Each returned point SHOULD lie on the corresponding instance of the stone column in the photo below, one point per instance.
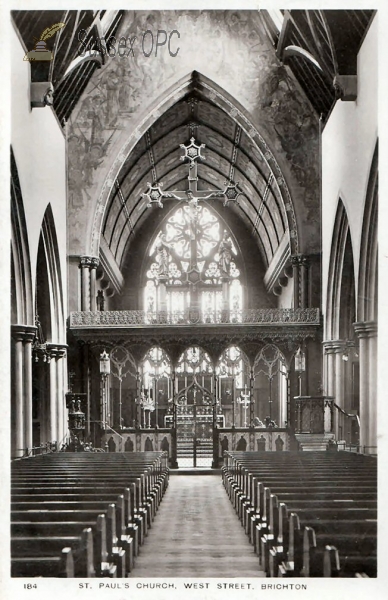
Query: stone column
(295, 262)
(339, 391)
(53, 399)
(60, 399)
(304, 282)
(18, 399)
(65, 390)
(27, 388)
(373, 392)
(333, 384)
(94, 262)
(367, 334)
(60, 353)
(300, 270)
(23, 336)
(88, 266)
(84, 266)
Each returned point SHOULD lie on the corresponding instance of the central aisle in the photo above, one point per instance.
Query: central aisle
(196, 533)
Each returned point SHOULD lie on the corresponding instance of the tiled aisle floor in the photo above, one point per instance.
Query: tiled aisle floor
(196, 533)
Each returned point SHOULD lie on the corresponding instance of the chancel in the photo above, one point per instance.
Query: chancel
(194, 293)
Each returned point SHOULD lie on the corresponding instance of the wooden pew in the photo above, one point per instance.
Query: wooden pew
(52, 566)
(45, 546)
(32, 486)
(357, 549)
(261, 512)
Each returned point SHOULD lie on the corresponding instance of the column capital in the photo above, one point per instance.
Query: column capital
(334, 346)
(90, 262)
(23, 333)
(57, 350)
(366, 329)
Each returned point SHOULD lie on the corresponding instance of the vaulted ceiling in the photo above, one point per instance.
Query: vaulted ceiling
(229, 155)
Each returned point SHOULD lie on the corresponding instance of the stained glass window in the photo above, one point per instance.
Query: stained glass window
(156, 366)
(196, 361)
(185, 252)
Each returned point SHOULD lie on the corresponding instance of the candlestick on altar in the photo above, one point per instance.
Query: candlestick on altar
(244, 400)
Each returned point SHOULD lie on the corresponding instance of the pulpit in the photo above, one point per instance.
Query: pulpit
(312, 414)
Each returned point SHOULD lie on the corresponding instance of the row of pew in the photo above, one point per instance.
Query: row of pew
(307, 514)
(83, 514)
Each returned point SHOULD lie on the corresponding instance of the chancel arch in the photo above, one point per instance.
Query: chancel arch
(225, 125)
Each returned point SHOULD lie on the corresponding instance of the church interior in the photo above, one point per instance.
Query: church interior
(194, 286)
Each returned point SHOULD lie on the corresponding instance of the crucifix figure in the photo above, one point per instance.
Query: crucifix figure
(192, 196)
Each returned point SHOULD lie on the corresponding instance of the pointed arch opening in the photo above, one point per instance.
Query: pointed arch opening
(189, 257)
(22, 311)
(341, 282)
(225, 125)
(343, 369)
(270, 390)
(49, 419)
(368, 267)
(233, 386)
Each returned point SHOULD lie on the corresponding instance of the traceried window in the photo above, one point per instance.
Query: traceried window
(193, 257)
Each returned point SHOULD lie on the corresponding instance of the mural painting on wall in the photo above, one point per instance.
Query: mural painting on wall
(230, 48)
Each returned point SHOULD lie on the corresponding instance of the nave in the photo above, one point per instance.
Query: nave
(303, 514)
(194, 283)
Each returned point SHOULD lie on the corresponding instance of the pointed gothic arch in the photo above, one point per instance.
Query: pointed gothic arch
(49, 271)
(368, 264)
(22, 311)
(341, 302)
(229, 105)
(49, 369)
(269, 373)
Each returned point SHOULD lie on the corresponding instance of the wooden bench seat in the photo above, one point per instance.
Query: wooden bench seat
(276, 498)
(51, 566)
(47, 546)
(353, 545)
(54, 498)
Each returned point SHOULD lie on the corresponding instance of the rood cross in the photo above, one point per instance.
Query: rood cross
(192, 195)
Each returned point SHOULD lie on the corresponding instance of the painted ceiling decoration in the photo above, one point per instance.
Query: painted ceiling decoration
(242, 83)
